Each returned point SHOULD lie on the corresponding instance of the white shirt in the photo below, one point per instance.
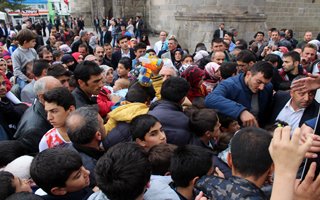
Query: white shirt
(287, 114)
(158, 46)
(123, 54)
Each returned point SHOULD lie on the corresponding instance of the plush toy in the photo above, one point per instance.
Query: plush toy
(148, 65)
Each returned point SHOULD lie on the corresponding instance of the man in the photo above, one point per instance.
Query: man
(245, 60)
(283, 42)
(228, 36)
(96, 23)
(306, 38)
(99, 54)
(162, 44)
(83, 50)
(168, 110)
(218, 57)
(246, 96)
(259, 39)
(51, 44)
(105, 36)
(290, 38)
(291, 68)
(172, 46)
(85, 130)
(108, 53)
(125, 51)
(59, 72)
(139, 26)
(220, 32)
(89, 82)
(39, 70)
(217, 44)
(46, 55)
(167, 72)
(34, 124)
(274, 41)
(84, 39)
(249, 170)
(294, 107)
(309, 55)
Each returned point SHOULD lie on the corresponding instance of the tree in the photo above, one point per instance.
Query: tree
(12, 5)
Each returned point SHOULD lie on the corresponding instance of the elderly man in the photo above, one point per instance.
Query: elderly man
(34, 124)
(84, 39)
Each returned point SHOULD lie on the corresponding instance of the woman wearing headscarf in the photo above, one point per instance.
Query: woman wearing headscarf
(212, 75)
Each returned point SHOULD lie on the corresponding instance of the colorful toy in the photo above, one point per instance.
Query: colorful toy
(148, 65)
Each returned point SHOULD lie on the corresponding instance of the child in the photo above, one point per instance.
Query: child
(160, 159)
(228, 124)
(123, 172)
(24, 54)
(147, 131)
(58, 103)
(120, 87)
(60, 173)
(205, 125)
(13, 45)
(11, 184)
(124, 67)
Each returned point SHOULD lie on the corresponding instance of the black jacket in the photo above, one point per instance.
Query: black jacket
(116, 56)
(82, 98)
(279, 101)
(105, 38)
(32, 126)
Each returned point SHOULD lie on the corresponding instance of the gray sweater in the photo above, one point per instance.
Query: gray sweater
(20, 58)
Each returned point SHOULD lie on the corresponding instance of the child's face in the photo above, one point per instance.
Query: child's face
(78, 180)
(21, 185)
(3, 66)
(29, 44)
(56, 115)
(155, 136)
(117, 86)
(9, 62)
(233, 127)
(122, 71)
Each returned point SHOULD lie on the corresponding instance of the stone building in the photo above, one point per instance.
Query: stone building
(194, 21)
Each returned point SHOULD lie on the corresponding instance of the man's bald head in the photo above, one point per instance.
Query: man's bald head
(45, 84)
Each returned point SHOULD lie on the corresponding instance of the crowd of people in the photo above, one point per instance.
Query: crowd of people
(108, 115)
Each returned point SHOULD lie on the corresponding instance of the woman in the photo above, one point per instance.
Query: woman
(194, 75)
(4, 68)
(212, 75)
(178, 53)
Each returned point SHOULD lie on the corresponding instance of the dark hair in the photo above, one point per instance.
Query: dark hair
(188, 162)
(10, 150)
(290, 31)
(203, 120)
(186, 56)
(126, 62)
(121, 38)
(216, 40)
(160, 158)
(7, 187)
(25, 35)
(310, 45)
(227, 69)
(295, 56)
(82, 125)
(271, 58)
(140, 45)
(263, 67)
(86, 69)
(139, 93)
(141, 124)
(83, 46)
(246, 56)
(43, 51)
(249, 151)
(39, 66)
(223, 141)
(229, 34)
(123, 172)
(243, 44)
(225, 120)
(52, 167)
(174, 89)
(259, 32)
(24, 196)
(56, 54)
(175, 40)
(151, 50)
(272, 29)
(61, 96)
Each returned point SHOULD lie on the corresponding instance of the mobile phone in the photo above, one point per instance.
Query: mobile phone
(308, 161)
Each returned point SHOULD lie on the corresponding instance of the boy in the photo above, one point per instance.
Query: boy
(160, 158)
(228, 124)
(24, 54)
(147, 131)
(60, 173)
(11, 184)
(59, 102)
(124, 67)
(188, 164)
(123, 172)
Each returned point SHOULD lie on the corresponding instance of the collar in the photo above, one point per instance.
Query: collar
(246, 185)
(92, 152)
(288, 105)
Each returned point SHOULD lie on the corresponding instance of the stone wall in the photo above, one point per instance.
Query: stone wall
(82, 8)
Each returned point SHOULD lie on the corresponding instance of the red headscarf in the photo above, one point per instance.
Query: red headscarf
(8, 84)
(194, 75)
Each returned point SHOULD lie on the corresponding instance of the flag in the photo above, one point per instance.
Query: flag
(66, 1)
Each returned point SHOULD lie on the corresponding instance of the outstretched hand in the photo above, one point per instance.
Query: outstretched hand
(312, 82)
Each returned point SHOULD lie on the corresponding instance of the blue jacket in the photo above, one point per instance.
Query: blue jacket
(175, 123)
(232, 96)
